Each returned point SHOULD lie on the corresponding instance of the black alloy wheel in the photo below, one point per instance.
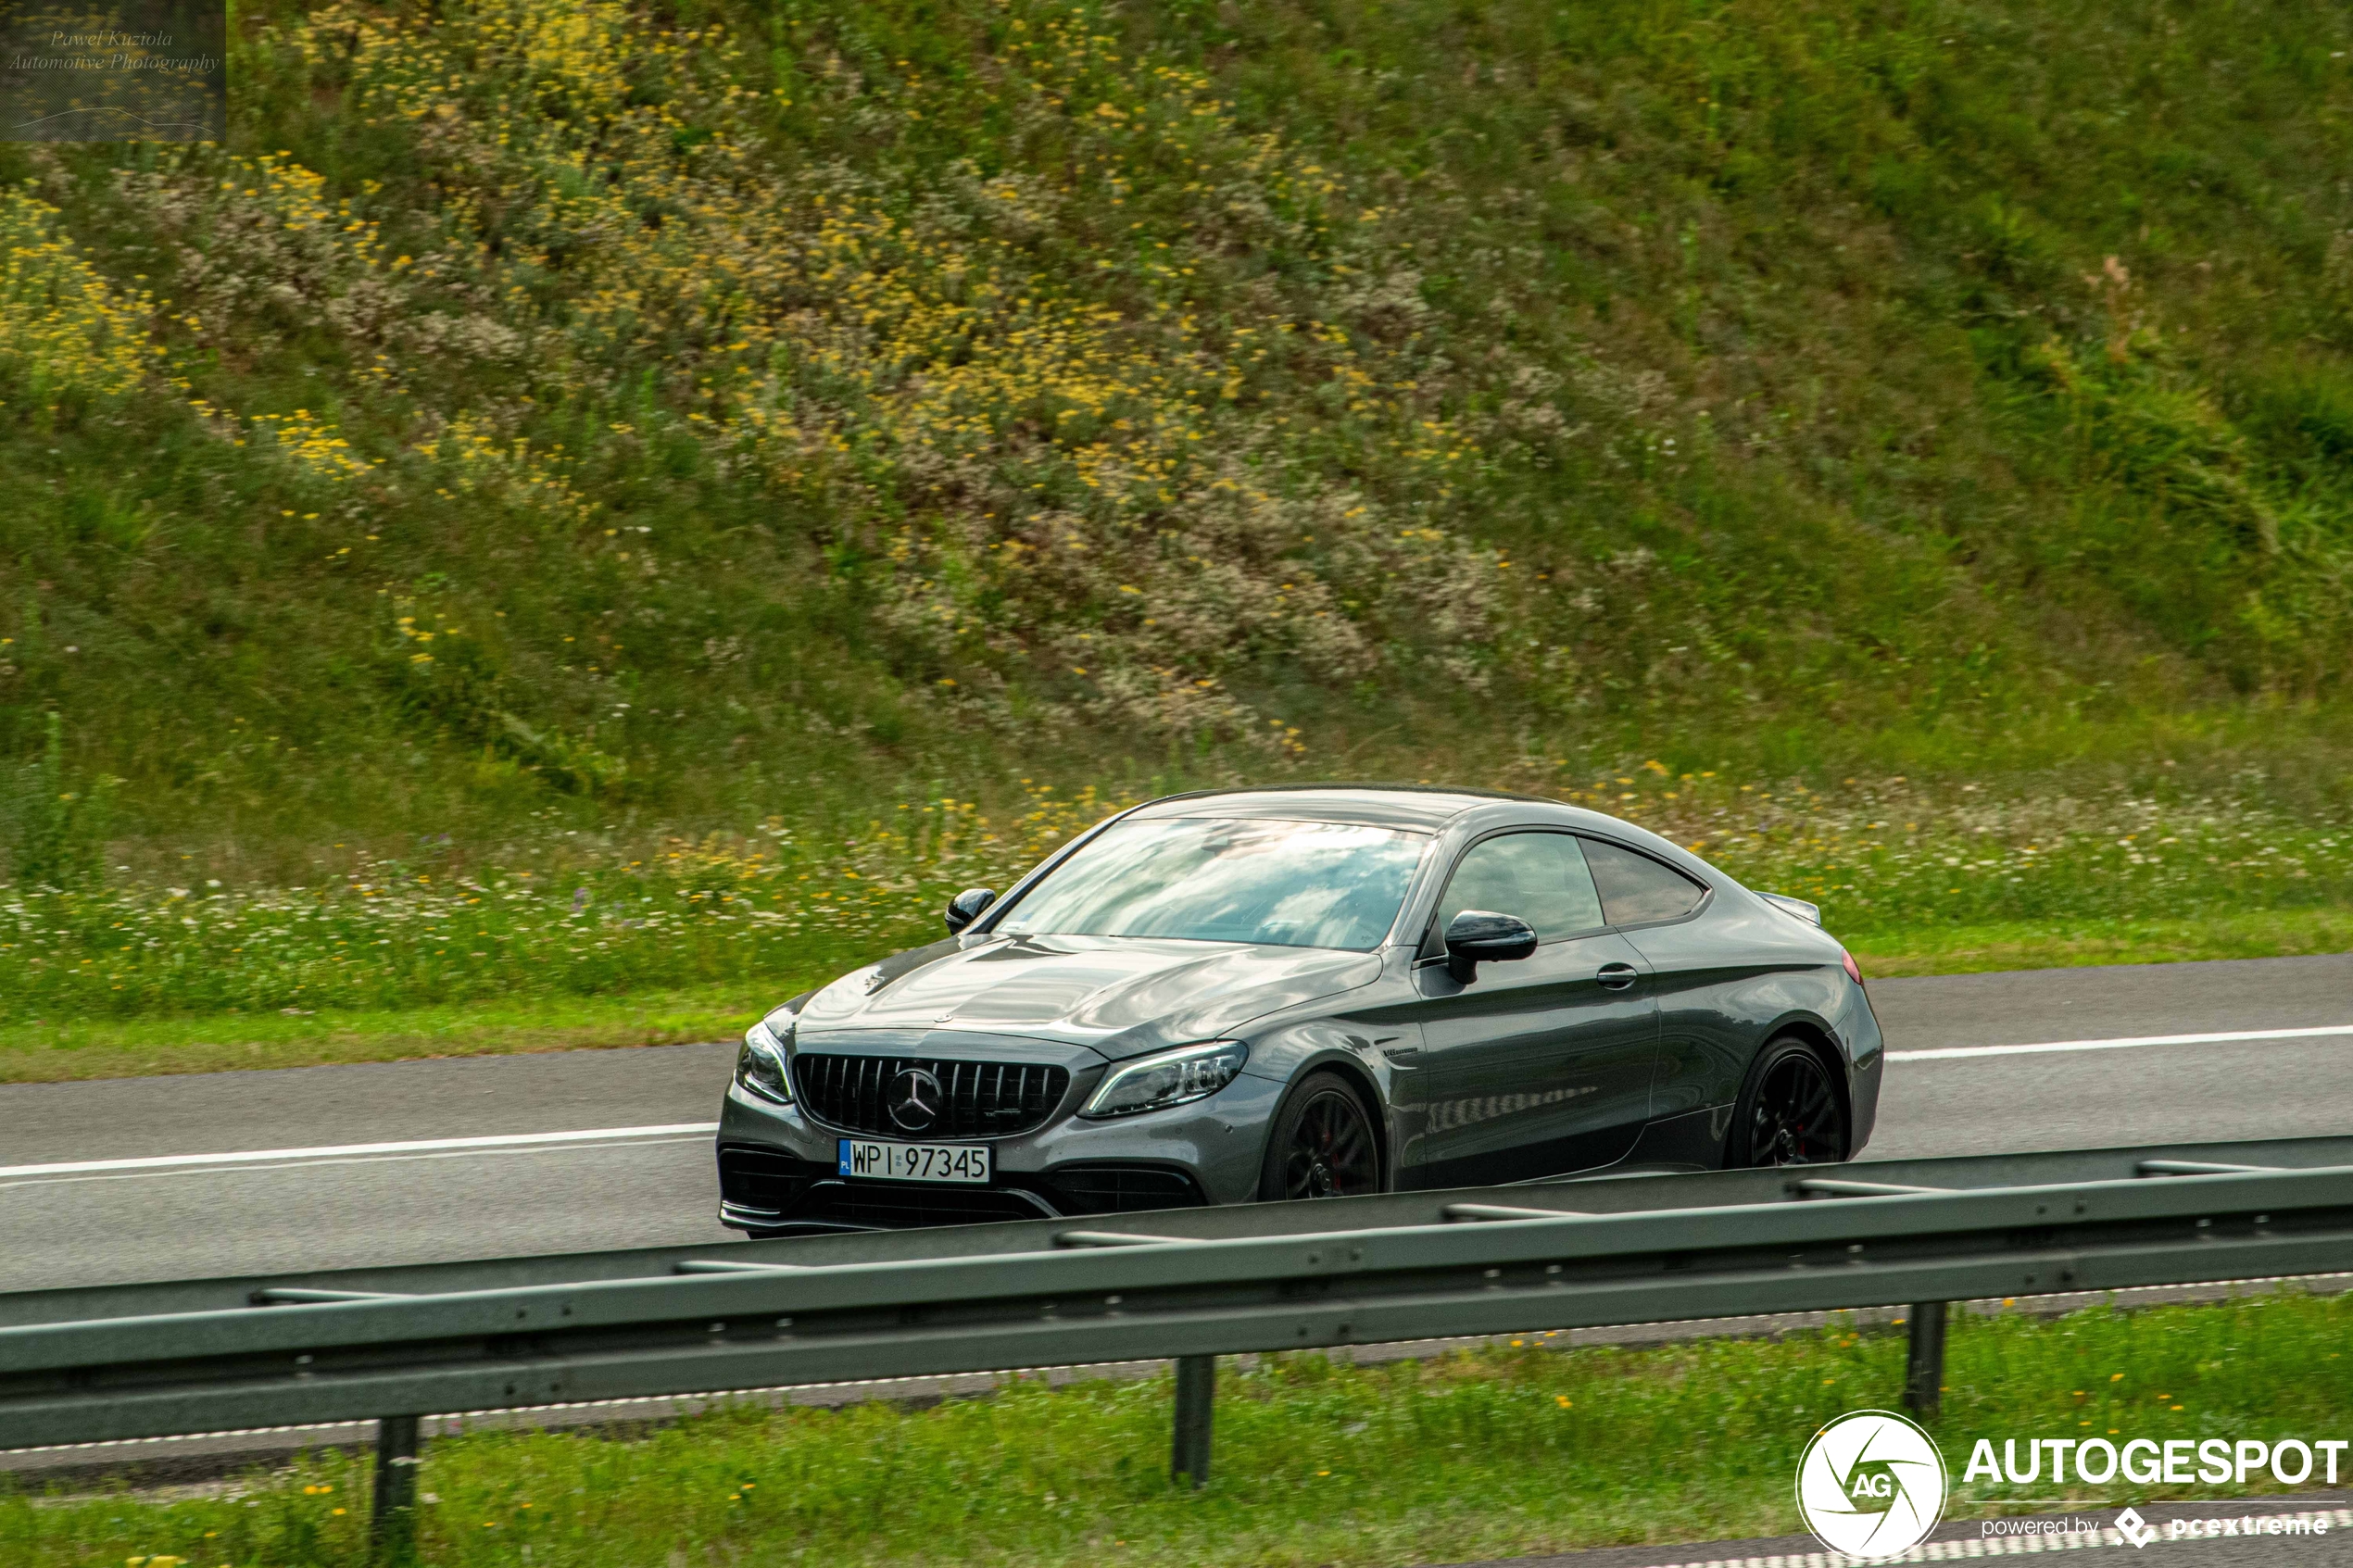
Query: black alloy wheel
(1323, 1145)
(1791, 1113)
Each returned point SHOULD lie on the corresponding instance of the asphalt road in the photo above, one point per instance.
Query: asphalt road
(307, 1182)
(2004, 1103)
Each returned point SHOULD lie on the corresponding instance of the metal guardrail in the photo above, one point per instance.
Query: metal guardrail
(393, 1343)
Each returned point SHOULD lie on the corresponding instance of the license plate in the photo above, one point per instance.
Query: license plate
(915, 1162)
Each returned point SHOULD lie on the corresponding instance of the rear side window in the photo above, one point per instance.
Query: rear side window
(1537, 876)
(1635, 888)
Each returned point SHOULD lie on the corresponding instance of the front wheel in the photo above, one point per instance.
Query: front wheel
(1322, 1144)
(1788, 1111)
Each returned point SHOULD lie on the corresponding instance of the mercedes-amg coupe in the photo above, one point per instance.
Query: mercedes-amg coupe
(1296, 993)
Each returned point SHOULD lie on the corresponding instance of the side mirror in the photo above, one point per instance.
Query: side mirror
(966, 907)
(1477, 936)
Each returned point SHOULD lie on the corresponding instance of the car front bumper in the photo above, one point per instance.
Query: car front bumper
(779, 1166)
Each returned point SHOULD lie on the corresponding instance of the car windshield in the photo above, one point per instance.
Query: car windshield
(1290, 885)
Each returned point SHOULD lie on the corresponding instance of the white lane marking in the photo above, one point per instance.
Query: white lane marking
(676, 1129)
(2126, 1043)
(198, 1172)
(347, 1150)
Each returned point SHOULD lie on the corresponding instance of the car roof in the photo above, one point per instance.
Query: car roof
(1422, 808)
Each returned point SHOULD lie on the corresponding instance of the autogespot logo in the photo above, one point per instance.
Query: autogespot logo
(1871, 1485)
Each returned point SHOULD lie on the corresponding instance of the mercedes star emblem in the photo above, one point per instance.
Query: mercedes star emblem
(915, 1099)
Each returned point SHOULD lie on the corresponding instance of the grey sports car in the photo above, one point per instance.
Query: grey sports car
(1296, 993)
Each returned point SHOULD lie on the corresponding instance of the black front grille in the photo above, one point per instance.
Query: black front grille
(1124, 1189)
(982, 1099)
(891, 1205)
(763, 1179)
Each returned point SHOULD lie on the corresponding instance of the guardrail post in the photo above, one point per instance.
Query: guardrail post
(1196, 1401)
(1924, 1363)
(392, 1524)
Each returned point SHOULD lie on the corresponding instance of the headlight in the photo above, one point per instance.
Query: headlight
(759, 1066)
(1171, 1078)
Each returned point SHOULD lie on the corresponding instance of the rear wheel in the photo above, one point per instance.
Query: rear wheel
(1322, 1144)
(1789, 1112)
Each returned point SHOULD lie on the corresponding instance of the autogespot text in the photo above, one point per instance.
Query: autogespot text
(2289, 1461)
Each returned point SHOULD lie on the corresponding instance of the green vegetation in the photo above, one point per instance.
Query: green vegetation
(46, 1052)
(1517, 1451)
(434, 929)
(545, 438)
(2261, 934)
(589, 945)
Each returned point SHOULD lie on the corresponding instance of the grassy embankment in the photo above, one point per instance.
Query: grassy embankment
(1500, 1454)
(541, 436)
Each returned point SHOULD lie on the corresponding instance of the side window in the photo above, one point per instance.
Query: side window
(1537, 876)
(1636, 888)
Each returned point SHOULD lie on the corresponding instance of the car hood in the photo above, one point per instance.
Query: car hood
(1122, 996)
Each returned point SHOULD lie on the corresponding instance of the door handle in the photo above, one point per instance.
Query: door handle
(1617, 977)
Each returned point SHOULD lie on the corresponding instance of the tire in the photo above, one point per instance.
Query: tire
(1322, 1144)
(1789, 1112)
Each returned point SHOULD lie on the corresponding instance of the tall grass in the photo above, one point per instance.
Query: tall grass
(678, 415)
(1518, 1451)
(577, 919)
(579, 915)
